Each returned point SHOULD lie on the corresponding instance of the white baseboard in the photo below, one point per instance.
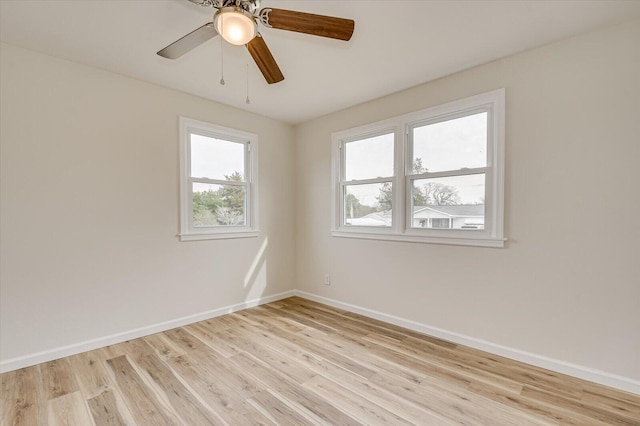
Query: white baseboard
(76, 348)
(581, 372)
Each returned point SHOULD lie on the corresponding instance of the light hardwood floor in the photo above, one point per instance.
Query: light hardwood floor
(296, 362)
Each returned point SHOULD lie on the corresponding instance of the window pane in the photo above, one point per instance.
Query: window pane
(451, 145)
(367, 205)
(455, 202)
(369, 158)
(216, 158)
(218, 205)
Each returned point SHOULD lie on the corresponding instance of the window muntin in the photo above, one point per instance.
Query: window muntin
(218, 181)
(448, 180)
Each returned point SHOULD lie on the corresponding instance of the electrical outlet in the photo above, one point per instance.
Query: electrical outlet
(327, 279)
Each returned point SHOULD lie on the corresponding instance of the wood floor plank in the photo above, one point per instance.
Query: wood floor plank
(296, 395)
(299, 362)
(282, 340)
(186, 341)
(104, 410)
(144, 406)
(597, 414)
(68, 410)
(213, 339)
(374, 393)
(260, 315)
(212, 364)
(444, 364)
(329, 321)
(277, 410)
(254, 341)
(191, 410)
(613, 402)
(550, 412)
(452, 404)
(58, 378)
(353, 404)
(227, 401)
(91, 373)
(163, 346)
(305, 320)
(133, 349)
(22, 398)
(350, 363)
(340, 315)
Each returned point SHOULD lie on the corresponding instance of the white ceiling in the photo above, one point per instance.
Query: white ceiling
(396, 44)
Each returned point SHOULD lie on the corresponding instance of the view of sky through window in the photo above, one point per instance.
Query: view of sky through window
(215, 158)
(452, 144)
(369, 158)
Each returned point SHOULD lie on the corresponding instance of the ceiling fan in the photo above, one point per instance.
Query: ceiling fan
(236, 21)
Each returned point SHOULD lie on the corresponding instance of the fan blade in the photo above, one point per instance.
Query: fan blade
(308, 23)
(190, 41)
(264, 59)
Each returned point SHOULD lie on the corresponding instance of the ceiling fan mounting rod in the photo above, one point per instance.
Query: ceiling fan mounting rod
(205, 3)
(250, 6)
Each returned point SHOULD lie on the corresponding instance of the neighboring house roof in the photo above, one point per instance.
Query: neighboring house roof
(366, 221)
(383, 218)
(463, 210)
(372, 219)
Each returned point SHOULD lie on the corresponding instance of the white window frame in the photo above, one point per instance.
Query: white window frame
(493, 233)
(188, 232)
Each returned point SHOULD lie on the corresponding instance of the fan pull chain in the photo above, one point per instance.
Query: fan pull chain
(248, 101)
(222, 82)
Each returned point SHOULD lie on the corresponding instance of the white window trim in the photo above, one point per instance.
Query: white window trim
(187, 231)
(491, 236)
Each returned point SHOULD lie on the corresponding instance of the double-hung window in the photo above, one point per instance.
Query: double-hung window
(433, 176)
(218, 181)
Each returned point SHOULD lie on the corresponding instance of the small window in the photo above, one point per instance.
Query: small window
(434, 176)
(218, 174)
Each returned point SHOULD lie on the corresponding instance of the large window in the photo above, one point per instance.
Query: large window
(434, 176)
(218, 171)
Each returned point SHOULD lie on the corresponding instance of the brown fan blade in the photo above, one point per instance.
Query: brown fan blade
(308, 23)
(190, 41)
(264, 59)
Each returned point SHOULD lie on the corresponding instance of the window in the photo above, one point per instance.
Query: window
(433, 176)
(218, 182)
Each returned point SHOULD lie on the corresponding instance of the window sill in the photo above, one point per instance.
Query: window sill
(462, 241)
(198, 236)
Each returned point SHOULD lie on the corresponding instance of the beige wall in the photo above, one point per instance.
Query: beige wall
(567, 285)
(89, 211)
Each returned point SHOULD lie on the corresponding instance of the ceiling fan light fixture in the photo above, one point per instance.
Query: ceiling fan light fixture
(235, 25)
